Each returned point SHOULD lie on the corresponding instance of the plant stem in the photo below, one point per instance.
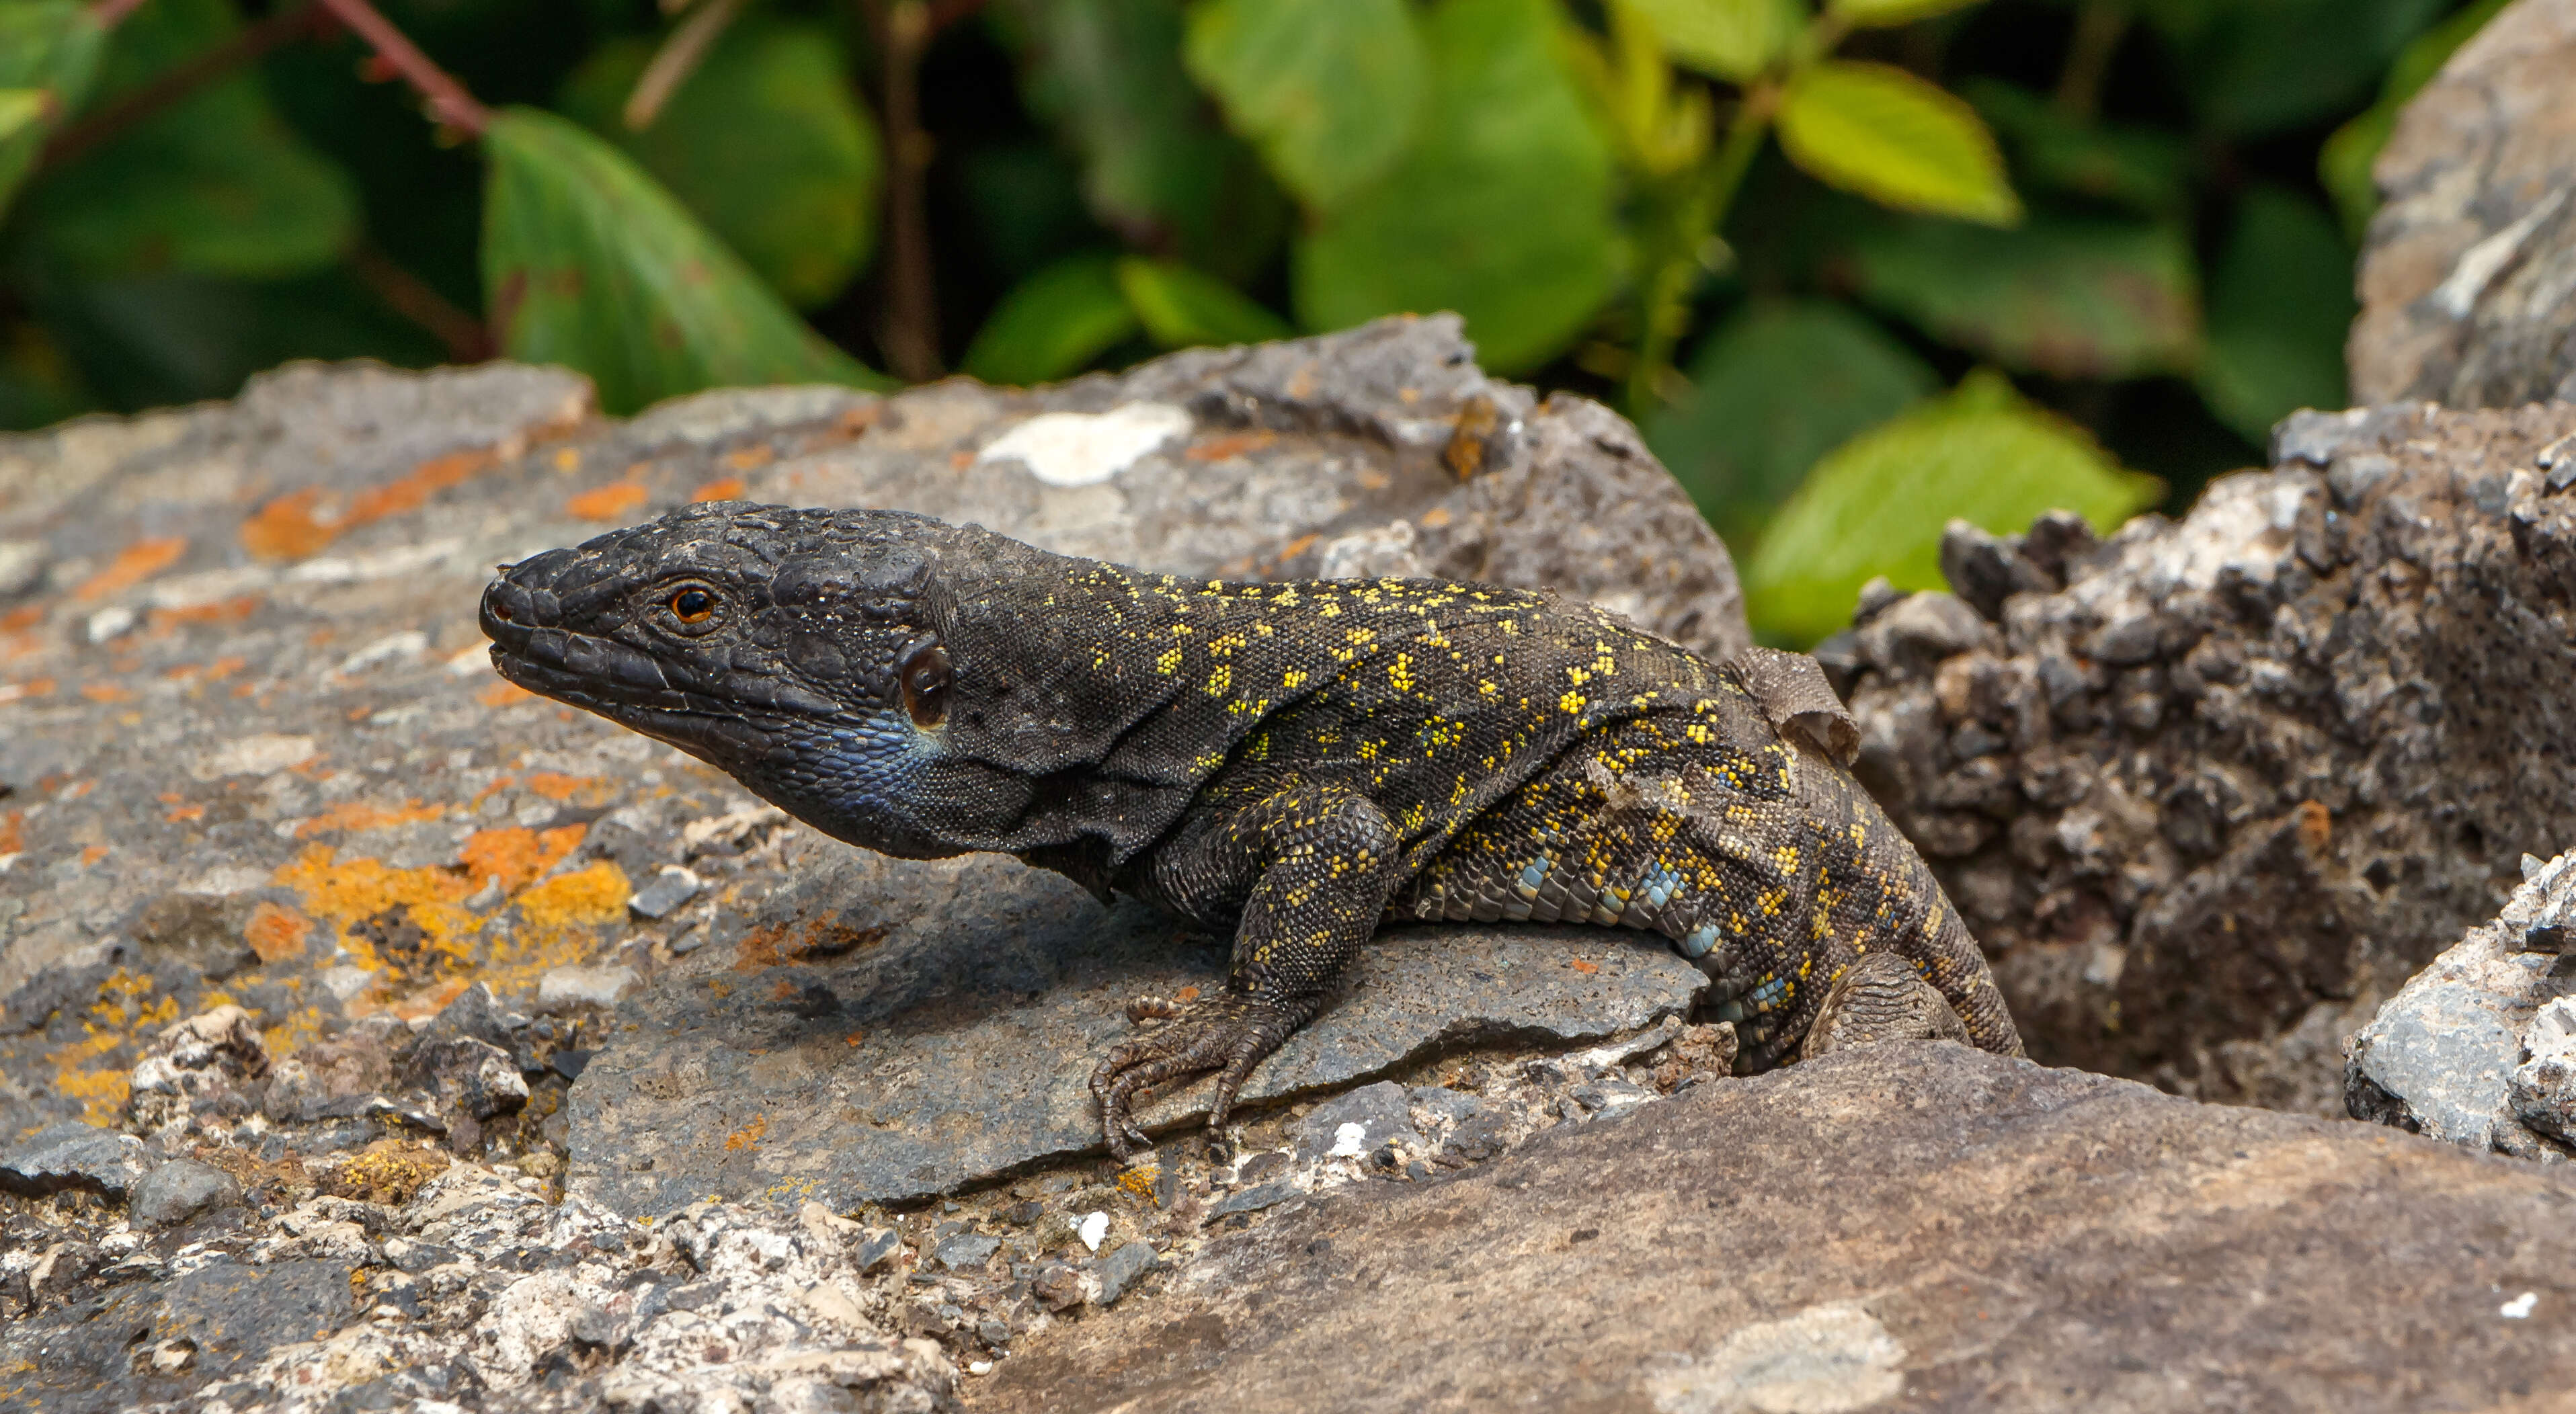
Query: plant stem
(2099, 26)
(465, 336)
(908, 333)
(179, 82)
(1695, 207)
(447, 98)
(678, 58)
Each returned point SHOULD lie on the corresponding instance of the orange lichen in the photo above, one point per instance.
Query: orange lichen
(1579, 965)
(773, 945)
(555, 785)
(1235, 444)
(611, 502)
(33, 687)
(286, 529)
(723, 488)
(183, 813)
(235, 609)
(106, 692)
(13, 836)
(275, 933)
(25, 616)
(344, 894)
(516, 855)
(93, 854)
(2316, 826)
(123, 1009)
(502, 694)
(1138, 1182)
(747, 1136)
(583, 898)
(133, 565)
(750, 458)
(352, 815)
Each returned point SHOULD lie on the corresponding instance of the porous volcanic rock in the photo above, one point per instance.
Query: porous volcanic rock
(1913, 1225)
(2468, 277)
(2209, 792)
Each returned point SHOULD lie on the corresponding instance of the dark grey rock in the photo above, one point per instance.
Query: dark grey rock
(1252, 1200)
(670, 888)
(878, 1249)
(1916, 1227)
(1351, 1125)
(471, 1077)
(74, 1155)
(1119, 1270)
(2543, 1088)
(1445, 1105)
(2441, 1057)
(2329, 733)
(179, 1190)
(958, 1042)
(966, 1251)
(2468, 277)
(569, 1062)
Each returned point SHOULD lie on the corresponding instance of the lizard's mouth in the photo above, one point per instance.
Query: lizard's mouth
(616, 680)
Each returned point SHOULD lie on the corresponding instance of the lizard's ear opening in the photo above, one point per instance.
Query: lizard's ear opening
(925, 675)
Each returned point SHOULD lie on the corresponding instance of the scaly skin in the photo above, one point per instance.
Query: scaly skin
(1290, 764)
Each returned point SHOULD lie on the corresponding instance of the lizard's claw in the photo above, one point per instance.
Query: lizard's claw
(1227, 1033)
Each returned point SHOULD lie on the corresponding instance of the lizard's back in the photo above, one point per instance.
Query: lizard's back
(1545, 761)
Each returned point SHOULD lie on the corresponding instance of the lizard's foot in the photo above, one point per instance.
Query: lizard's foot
(1881, 998)
(1228, 1033)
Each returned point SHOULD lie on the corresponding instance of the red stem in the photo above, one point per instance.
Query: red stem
(178, 82)
(447, 98)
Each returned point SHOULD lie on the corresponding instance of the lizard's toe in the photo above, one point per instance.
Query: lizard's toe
(1230, 1034)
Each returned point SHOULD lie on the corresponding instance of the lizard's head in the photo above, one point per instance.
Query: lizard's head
(797, 650)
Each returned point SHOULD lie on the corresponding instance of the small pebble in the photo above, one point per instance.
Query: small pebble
(1093, 1227)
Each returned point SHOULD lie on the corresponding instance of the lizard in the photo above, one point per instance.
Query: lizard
(1291, 764)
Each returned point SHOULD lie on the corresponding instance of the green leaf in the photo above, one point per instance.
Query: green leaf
(1878, 505)
(1880, 131)
(2344, 163)
(216, 183)
(587, 262)
(1865, 13)
(1157, 166)
(2066, 296)
(48, 54)
(1733, 39)
(2253, 67)
(1501, 212)
(1181, 307)
(765, 141)
(1773, 389)
(2280, 303)
(1053, 323)
(1328, 90)
(2145, 169)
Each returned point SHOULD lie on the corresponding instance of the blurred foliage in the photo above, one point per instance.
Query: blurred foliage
(1857, 266)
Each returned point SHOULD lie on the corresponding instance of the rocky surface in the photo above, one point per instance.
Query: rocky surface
(299, 905)
(955, 1018)
(1917, 1226)
(2209, 792)
(2468, 277)
(2475, 1050)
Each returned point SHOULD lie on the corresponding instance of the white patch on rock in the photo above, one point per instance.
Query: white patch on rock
(1348, 1141)
(410, 643)
(1086, 448)
(567, 987)
(378, 564)
(2519, 1308)
(114, 621)
(254, 756)
(1092, 1228)
(1824, 1360)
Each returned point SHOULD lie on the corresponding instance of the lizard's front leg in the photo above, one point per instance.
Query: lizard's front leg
(1313, 866)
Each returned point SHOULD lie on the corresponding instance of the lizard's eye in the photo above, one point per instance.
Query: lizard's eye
(925, 674)
(692, 604)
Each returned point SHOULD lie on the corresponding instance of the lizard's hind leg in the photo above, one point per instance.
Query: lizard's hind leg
(1320, 861)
